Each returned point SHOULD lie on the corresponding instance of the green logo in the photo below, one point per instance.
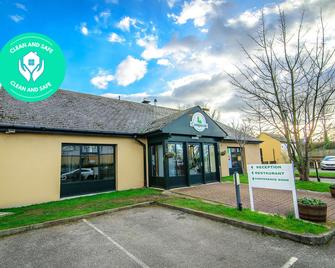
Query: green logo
(32, 67)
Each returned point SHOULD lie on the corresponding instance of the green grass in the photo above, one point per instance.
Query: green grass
(243, 179)
(322, 174)
(74, 207)
(312, 186)
(274, 221)
(301, 185)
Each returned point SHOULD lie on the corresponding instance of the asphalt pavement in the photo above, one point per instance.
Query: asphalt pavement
(156, 237)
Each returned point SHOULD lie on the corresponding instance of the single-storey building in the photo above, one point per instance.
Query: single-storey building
(273, 149)
(74, 143)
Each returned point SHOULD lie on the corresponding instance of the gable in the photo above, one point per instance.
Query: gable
(194, 122)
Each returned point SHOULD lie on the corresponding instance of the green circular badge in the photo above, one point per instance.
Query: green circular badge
(32, 67)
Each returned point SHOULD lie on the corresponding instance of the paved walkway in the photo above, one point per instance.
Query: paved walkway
(267, 200)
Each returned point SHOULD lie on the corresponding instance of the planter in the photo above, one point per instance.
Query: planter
(313, 213)
(332, 190)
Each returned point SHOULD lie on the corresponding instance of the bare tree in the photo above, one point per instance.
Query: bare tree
(289, 82)
(241, 132)
(327, 124)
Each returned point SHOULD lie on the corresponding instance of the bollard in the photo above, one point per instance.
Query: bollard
(237, 190)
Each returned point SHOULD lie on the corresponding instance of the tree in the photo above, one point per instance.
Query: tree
(288, 81)
(241, 133)
(326, 124)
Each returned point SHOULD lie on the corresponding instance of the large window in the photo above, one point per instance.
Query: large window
(176, 161)
(157, 160)
(87, 163)
(209, 158)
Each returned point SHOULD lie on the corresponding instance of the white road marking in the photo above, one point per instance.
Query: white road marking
(135, 259)
(290, 262)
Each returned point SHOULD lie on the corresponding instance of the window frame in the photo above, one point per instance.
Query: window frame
(81, 153)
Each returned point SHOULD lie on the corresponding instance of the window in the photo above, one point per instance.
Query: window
(87, 163)
(157, 160)
(176, 163)
(209, 158)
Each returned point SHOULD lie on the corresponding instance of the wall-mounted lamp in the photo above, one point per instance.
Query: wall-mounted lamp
(223, 152)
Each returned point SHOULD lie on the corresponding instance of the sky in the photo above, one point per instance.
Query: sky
(176, 51)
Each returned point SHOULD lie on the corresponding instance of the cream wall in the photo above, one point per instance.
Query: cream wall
(252, 156)
(272, 149)
(30, 165)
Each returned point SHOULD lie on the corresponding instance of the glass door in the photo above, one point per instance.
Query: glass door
(195, 163)
(210, 167)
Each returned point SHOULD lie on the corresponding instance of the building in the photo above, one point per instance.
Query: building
(74, 143)
(273, 149)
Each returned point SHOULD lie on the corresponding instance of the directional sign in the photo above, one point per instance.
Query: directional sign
(276, 176)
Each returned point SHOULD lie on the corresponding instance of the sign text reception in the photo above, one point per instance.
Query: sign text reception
(273, 176)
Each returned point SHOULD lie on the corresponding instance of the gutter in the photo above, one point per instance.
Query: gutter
(12, 129)
(144, 159)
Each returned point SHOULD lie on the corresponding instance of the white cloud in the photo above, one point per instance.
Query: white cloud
(84, 29)
(130, 70)
(115, 38)
(21, 6)
(164, 62)
(16, 18)
(125, 23)
(149, 42)
(250, 18)
(196, 11)
(102, 79)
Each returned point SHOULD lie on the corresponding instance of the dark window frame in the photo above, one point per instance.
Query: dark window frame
(81, 153)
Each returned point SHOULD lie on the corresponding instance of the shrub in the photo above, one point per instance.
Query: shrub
(311, 201)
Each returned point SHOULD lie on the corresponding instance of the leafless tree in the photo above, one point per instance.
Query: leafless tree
(289, 81)
(327, 124)
(241, 132)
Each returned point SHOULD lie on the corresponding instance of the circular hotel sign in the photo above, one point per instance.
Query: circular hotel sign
(198, 122)
(32, 67)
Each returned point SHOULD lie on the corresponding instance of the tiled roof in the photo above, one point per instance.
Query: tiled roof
(69, 110)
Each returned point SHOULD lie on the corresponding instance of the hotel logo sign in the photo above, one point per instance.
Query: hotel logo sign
(198, 122)
(32, 67)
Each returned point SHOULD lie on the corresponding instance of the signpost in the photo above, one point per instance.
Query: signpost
(276, 176)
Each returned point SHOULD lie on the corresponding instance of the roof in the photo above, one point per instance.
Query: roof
(231, 134)
(68, 110)
(72, 111)
(276, 136)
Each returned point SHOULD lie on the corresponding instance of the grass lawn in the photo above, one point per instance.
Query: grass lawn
(301, 185)
(74, 207)
(322, 174)
(274, 221)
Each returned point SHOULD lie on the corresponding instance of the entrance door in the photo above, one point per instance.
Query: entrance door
(195, 163)
(210, 167)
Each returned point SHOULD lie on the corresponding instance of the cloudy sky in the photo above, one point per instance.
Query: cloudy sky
(175, 51)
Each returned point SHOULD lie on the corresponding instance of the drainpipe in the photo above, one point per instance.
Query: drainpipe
(144, 159)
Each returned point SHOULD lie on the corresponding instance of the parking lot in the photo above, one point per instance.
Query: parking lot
(156, 237)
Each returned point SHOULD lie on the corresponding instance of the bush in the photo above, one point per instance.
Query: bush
(332, 186)
(311, 202)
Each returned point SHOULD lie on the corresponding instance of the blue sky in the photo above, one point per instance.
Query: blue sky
(175, 51)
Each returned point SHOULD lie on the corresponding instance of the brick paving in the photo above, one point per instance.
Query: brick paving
(267, 200)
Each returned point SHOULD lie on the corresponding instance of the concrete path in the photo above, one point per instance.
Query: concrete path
(156, 237)
(267, 200)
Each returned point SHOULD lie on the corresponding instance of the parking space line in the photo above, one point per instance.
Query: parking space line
(290, 262)
(135, 259)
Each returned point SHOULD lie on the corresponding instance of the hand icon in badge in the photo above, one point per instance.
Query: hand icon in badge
(31, 67)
